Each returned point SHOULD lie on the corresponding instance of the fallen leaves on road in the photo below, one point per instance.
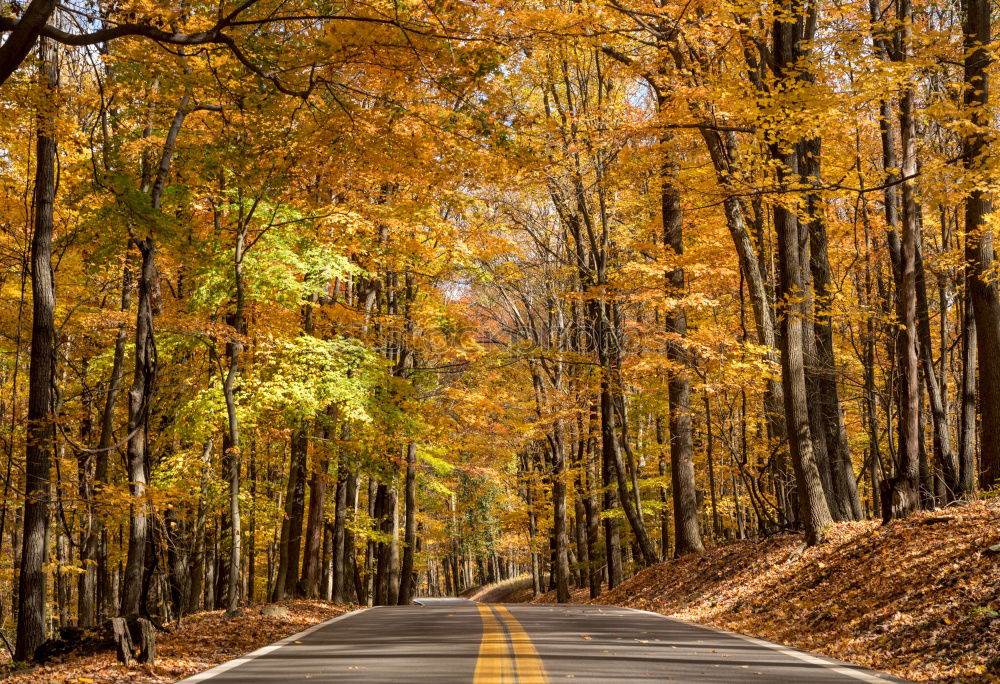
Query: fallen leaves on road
(203, 640)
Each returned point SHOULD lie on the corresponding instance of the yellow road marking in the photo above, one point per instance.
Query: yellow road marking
(494, 664)
(529, 666)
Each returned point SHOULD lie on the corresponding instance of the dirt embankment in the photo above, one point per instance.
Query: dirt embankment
(919, 598)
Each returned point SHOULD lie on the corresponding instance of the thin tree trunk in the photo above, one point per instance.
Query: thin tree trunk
(200, 550)
(847, 504)
(610, 441)
(710, 453)
(720, 147)
(339, 519)
(664, 493)
(406, 575)
(351, 577)
(612, 532)
(315, 524)
(944, 456)
(908, 475)
(297, 505)
(967, 417)
(559, 531)
(143, 383)
(234, 347)
(140, 394)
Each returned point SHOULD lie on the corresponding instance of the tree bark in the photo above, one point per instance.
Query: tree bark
(612, 531)
(140, 394)
(20, 41)
(979, 240)
(339, 519)
(812, 502)
(351, 577)
(720, 148)
(908, 473)
(406, 575)
(232, 447)
(40, 438)
(943, 453)
(967, 418)
(559, 531)
(290, 543)
(846, 504)
(687, 535)
(143, 382)
(315, 524)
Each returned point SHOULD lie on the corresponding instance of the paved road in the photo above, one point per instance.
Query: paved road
(461, 641)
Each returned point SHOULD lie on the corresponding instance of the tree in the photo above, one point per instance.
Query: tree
(39, 442)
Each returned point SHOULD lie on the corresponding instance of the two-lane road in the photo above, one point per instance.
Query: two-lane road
(460, 641)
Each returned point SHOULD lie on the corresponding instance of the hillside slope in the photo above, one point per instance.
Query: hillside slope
(919, 598)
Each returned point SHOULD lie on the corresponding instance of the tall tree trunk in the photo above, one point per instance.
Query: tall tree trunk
(392, 595)
(612, 531)
(687, 535)
(251, 584)
(291, 518)
(406, 574)
(200, 544)
(95, 546)
(529, 501)
(179, 578)
(943, 455)
(613, 453)
(908, 475)
(296, 506)
(664, 493)
(559, 523)
(812, 502)
(351, 577)
(232, 446)
(967, 417)
(979, 240)
(846, 504)
(40, 437)
(710, 454)
(384, 505)
(143, 381)
(339, 519)
(315, 523)
(722, 150)
(139, 396)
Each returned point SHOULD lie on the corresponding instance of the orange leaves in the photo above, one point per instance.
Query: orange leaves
(916, 599)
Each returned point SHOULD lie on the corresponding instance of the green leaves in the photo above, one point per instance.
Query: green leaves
(298, 379)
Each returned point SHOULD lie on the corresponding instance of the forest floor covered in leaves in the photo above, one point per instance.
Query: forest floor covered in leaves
(202, 640)
(918, 598)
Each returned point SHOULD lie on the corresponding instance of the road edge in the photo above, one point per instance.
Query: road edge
(264, 650)
(839, 666)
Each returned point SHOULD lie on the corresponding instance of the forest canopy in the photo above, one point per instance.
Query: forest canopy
(365, 300)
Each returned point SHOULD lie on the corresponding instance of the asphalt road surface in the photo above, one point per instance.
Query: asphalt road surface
(461, 641)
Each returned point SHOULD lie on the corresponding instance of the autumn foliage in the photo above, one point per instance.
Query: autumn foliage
(356, 301)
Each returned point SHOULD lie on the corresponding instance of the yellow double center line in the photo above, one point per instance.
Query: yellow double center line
(506, 654)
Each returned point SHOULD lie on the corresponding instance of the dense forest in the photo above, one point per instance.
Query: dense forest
(363, 300)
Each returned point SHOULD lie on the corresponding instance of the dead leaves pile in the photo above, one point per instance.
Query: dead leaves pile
(919, 598)
(202, 641)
